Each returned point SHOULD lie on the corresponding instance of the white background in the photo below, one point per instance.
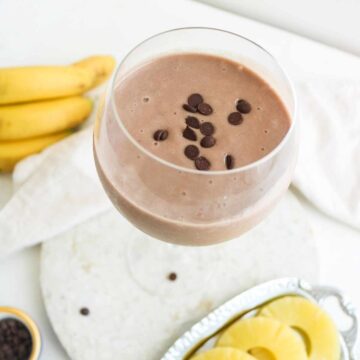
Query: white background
(333, 22)
(61, 32)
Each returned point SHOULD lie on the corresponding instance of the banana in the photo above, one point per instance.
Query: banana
(13, 151)
(45, 117)
(102, 65)
(31, 83)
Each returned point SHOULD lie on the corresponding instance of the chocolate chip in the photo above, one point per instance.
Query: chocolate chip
(235, 118)
(202, 163)
(207, 128)
(84, 311)
(15, 340)
(194, 100)
(189, 134)
(161, 135)
(207, 141)
(229, 162)
(204, 109)
(193, 122)
(172, 276)
(243, 106)
(191, 152)
(189, 108)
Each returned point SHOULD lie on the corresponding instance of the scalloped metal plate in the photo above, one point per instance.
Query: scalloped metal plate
(254, 298)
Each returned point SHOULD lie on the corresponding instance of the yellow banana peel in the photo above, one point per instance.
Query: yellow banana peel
(12, 152)
(32, 83)
(44, 117)
(102, 65)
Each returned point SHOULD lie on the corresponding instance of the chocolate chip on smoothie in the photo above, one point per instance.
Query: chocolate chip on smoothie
(194, 100)
(202, 163)
(235, 118)
(229, 161)
(189, 134)
(204, 109)
(208, 141)
(191, 152)
(189, 108)
(207, 128)
(161, 135)
(243, 106)
(193, 122)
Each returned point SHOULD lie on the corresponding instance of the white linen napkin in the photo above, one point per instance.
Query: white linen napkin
(328, 168)
(55, 190)
(59, 188)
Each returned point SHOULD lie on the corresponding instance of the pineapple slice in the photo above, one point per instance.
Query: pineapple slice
(312, 322)
(225, 353)
(261, 354)
(264, 336)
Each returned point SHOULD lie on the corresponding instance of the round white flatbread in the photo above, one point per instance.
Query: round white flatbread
(121, 276)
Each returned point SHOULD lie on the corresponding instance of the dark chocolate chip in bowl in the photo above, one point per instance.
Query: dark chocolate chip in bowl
(189, 134)
(161, 135)
(243, 106)
(193, 122)
(194, 100)
(229, 161)
(207, 128)
(208, 141)
(202, 163)
(189, 108)
(191, 152)
(15, 340)
(235, 118)
(204, 109)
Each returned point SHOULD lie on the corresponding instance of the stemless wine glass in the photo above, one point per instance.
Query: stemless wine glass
(182, 205)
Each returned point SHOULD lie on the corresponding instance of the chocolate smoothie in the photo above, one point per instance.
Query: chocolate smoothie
(172, 145)
(153, 98)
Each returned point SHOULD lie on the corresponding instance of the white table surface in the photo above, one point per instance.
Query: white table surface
(331, 22)
(60, 32)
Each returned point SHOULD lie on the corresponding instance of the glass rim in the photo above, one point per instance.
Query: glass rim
(179, 168)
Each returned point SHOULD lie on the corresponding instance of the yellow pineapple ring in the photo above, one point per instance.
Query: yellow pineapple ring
(308, 319)
(270, 336)
(223, 354)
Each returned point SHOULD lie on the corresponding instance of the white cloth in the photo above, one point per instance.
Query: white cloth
(328, 169)
(55, 190)
(59, 188)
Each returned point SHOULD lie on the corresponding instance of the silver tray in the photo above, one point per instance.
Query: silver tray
(248, 301)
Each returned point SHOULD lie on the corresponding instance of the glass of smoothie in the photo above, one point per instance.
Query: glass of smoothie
(196, 140)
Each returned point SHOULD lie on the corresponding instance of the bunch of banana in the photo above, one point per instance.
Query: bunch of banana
(40, 105)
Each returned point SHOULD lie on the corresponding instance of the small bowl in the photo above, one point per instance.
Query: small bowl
(11, 312)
